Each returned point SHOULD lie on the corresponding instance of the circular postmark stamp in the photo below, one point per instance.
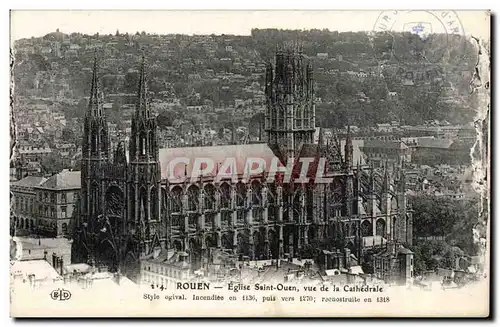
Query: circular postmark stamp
(420, 36)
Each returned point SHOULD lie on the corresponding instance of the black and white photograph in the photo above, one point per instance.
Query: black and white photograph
(249, 163)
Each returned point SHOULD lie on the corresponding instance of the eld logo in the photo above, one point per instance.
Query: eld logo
(60, 294)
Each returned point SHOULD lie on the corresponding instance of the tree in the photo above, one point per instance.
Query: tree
(164, 119)
(434, 216)
(68, 135)
(51, 164)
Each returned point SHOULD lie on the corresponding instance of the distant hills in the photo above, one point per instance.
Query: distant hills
(363, 78)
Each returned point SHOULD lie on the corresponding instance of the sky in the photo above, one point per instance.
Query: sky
(28, 23)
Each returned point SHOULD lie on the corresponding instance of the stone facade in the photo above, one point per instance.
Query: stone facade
(137, 204)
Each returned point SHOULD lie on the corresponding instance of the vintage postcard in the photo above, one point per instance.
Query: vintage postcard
(250, 163)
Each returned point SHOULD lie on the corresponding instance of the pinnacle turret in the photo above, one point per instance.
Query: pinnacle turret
(142, 104)
(95, 101)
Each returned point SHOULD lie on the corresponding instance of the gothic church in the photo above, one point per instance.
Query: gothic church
(131, 206)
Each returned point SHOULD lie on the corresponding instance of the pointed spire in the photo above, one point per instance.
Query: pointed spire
(348, 148)
(233, 135)
(386, 179)
(95, 101)
(269, 80)
(402, 179)
(321, 137)
(372, 179)
(260, 130)
(142, 105)
(142, 215)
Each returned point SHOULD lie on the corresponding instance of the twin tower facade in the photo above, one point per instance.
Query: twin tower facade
(120, 203)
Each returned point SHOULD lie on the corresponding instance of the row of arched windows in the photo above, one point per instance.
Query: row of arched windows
(29, 224)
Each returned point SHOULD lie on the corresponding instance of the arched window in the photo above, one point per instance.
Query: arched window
(132, 203)
(193, 198)
(93, 144)
(94, 199)
(164, 199)
(241, 194)
(209, 197)
(103, 144)
(380, 227)
(256, 193)
(143, 203)
(142, 143)
(153, 204)
(273, 244)
(225, 198)
(227, 241)
(393, 227)
(176, 194)
(152, 143)
(366, 228)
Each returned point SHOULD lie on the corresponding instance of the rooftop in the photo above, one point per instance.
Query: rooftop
(43, 243)
(30, 181)
(434, 143)
(40, 268)
(218, 154)
(385, 144)
(65, 180)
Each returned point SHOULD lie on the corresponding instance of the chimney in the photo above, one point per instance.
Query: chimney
(31, 278)
(347, 258)
(332, 260)
(45, 255)
(116, 277)
(61, 266)
(54, 260)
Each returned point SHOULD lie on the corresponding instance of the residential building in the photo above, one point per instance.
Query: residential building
(24, 218)
(56, 200)
(166, 268)
(394, 264)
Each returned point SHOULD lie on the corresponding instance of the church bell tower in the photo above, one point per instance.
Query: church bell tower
(144, 184)
(95, 159)
(290, 114)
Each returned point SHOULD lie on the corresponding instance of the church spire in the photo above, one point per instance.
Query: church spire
(142, 105)
(402, 179)
(372, 179)
(385, 183)
(348, 149)
(95, 101)
(321, 137)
